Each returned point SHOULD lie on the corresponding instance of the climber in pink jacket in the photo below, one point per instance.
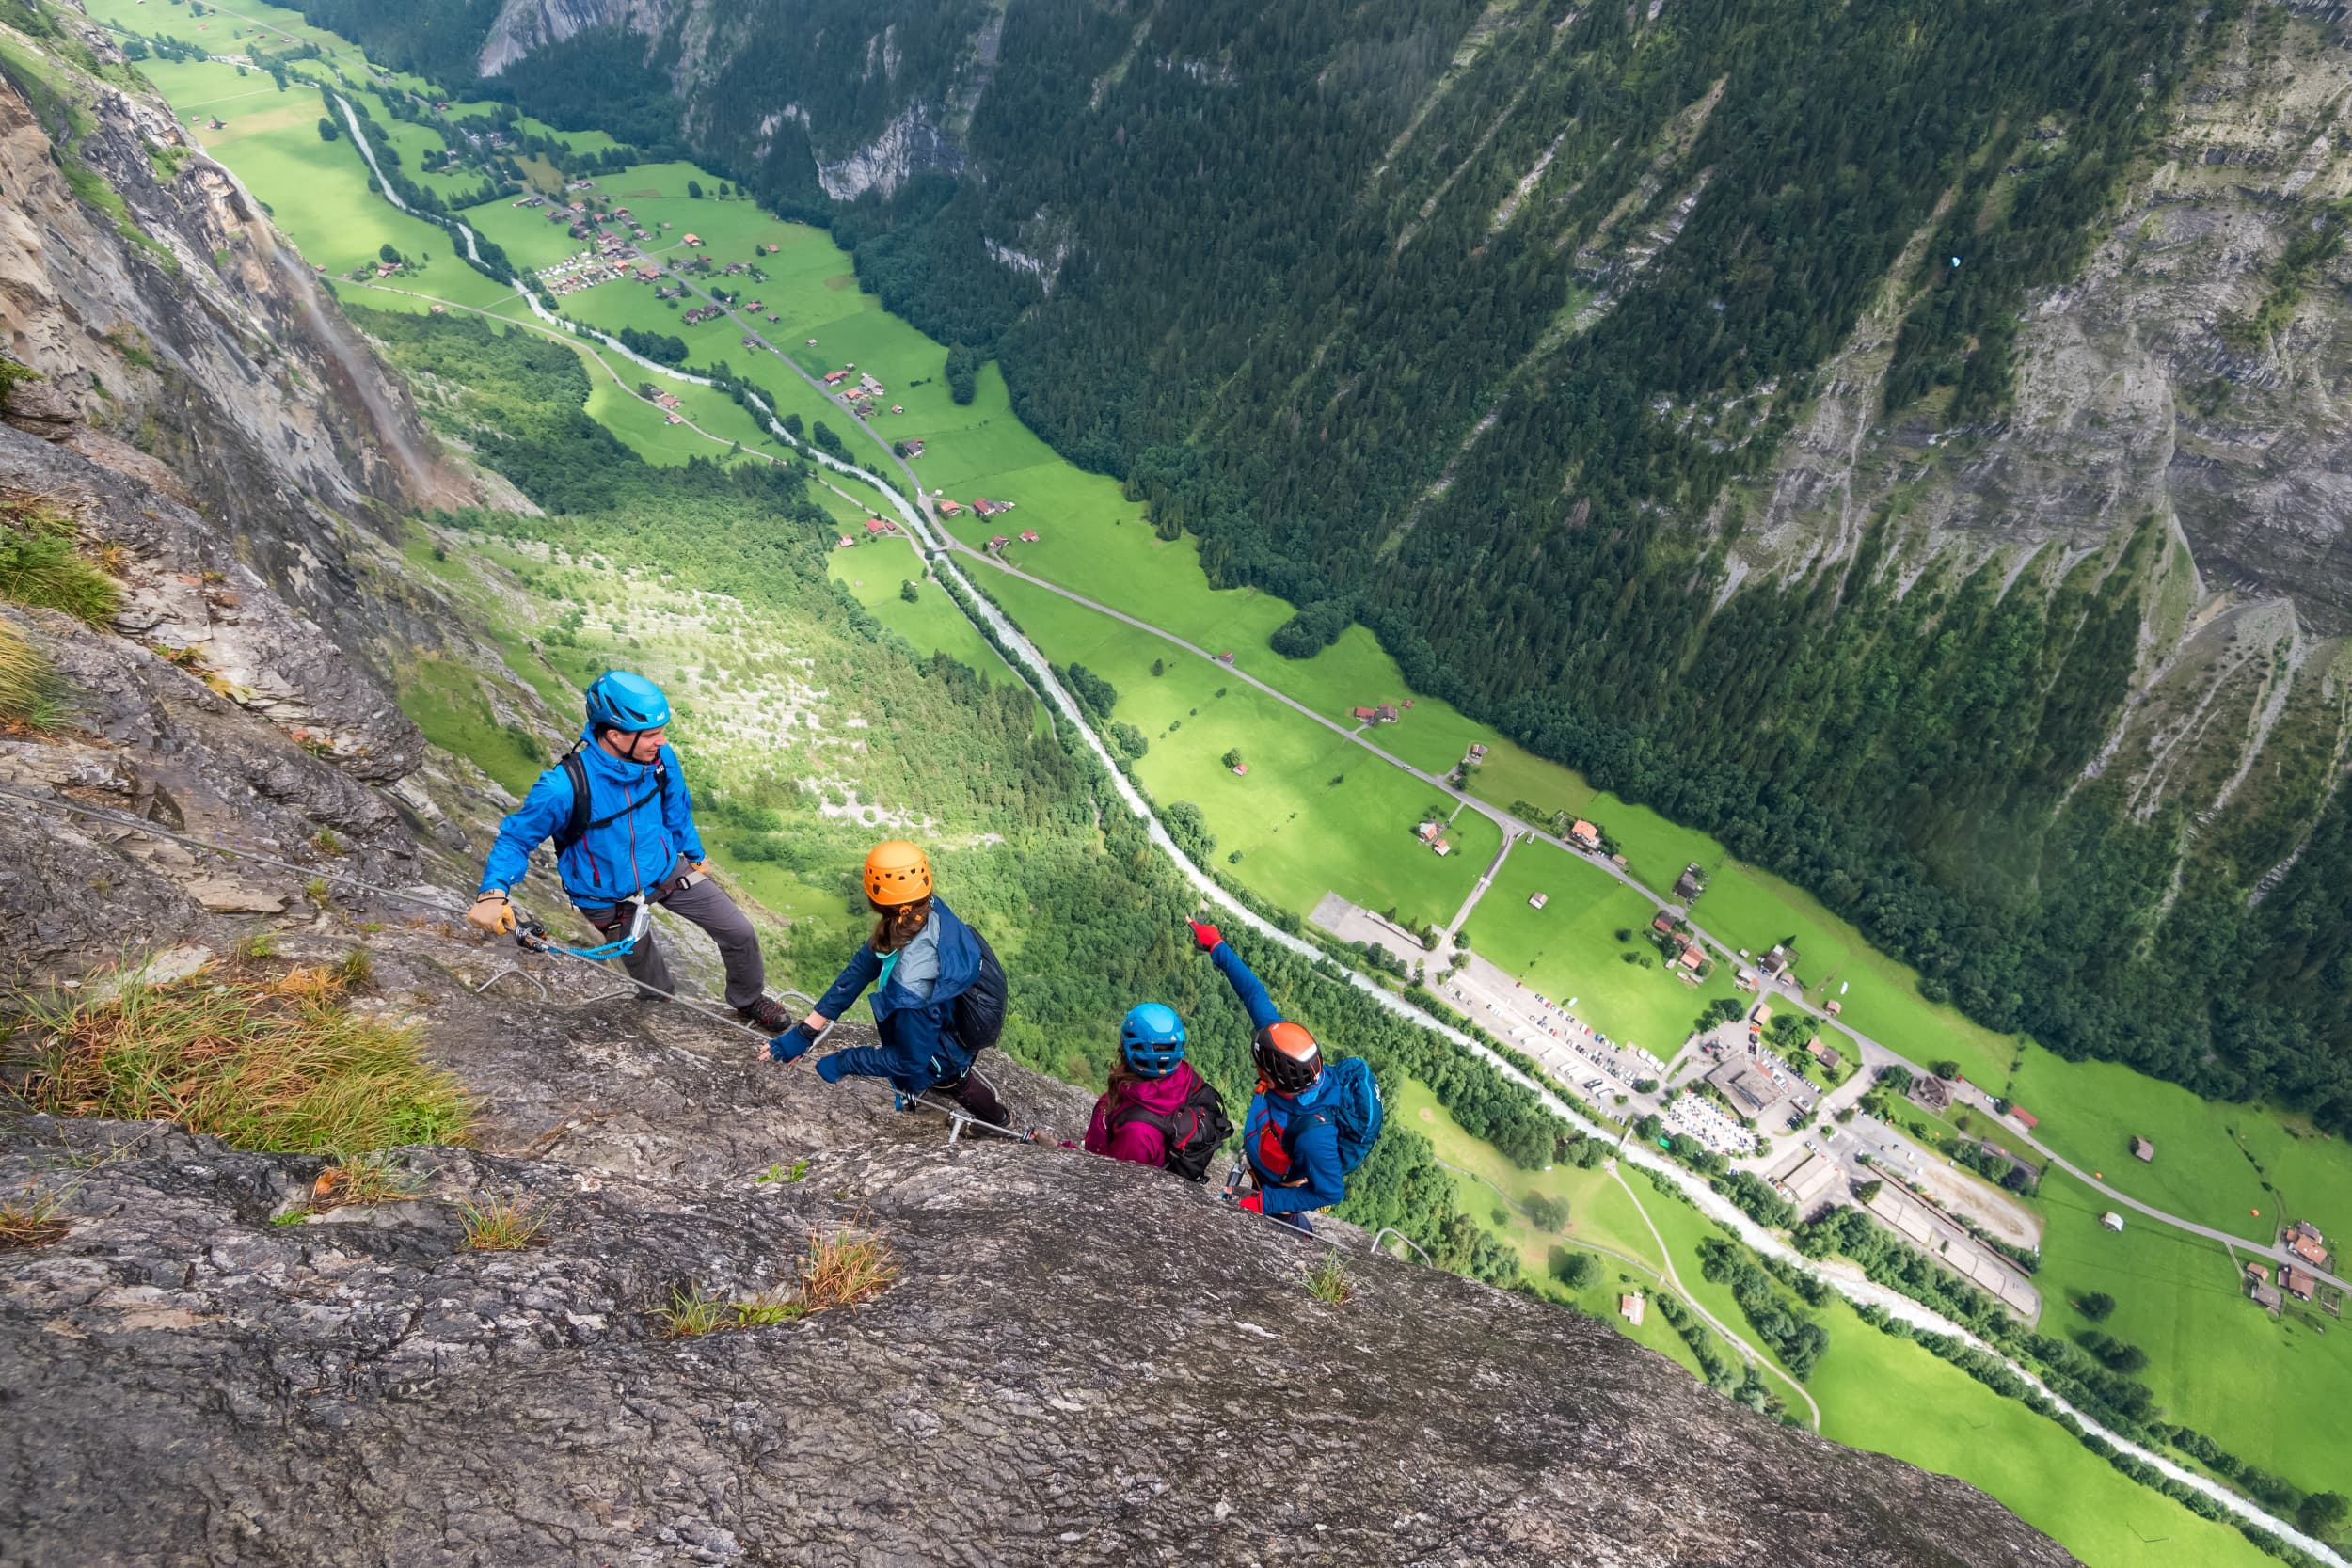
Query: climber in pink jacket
(1158, 1111)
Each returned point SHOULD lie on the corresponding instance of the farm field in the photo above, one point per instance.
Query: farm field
(1599, 1216)
(2090, 1111)
(2268, 1391)
(1878, 1393)
(932, 624)
(1297, 834)
(1568, 948)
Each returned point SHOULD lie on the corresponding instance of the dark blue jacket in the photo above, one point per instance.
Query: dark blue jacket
(919, 1044)
(638, 850)
(1291, 1144)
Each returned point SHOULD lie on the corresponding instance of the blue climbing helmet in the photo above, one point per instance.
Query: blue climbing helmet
(620, 700)
(1152, 1040)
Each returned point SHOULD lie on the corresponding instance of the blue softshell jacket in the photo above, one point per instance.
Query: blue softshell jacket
(919, 1044)
(638, 850)
(1308, 1136)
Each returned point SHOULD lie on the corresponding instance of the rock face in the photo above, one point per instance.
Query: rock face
(523, 26)
(1078, 1363)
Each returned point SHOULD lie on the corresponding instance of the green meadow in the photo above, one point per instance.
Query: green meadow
(1568, 949)
(2269, 1391)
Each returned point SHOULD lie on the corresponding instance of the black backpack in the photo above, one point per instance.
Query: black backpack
(980, 1008)
(575, 827)
(1190, 1138)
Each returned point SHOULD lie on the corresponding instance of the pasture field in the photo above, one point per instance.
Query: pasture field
(1299, 835)
(2270, 1391)
(2216, 1163)
(1569, 949)
(1601, 1219)
(932, 624)
(1879, 1393)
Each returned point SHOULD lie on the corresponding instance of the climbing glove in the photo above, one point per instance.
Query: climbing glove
(791, 1045)
(829, 1068)
(491, 912)
(1207, 936)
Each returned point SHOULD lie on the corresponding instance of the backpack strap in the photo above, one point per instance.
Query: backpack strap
(1132, 1111)
(577, 826)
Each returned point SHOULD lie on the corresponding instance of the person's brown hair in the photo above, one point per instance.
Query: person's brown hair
(899, 924)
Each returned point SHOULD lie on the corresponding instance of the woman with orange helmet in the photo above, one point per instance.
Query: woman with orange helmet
(941, 1000)
(1290, 1141)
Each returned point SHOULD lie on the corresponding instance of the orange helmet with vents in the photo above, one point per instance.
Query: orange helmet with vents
(897, 873)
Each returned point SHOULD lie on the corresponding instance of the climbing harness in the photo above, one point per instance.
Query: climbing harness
(532, 936)
(959, 1118)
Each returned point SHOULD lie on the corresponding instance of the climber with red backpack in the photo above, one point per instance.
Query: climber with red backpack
(941, 996)
(1310, 1125)
(617, 807)
(1157, 1110)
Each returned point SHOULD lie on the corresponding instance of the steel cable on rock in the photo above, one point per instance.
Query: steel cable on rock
(957, 1115)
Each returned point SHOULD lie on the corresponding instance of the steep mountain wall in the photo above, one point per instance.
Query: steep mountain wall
(1072, 1361)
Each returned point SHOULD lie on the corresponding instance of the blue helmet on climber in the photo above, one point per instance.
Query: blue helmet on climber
(1152, 1040)
(619, 699)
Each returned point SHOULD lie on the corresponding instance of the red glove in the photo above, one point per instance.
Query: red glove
(1207, 936)
(1254, 1203)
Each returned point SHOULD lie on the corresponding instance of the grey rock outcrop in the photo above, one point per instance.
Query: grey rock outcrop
(1078, 1363)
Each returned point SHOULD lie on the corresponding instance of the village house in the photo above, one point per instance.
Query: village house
(1427, 832)
(2294, 1282)
(2144, 1151)
(876, 525)
(844, 543)
(1225, 658)
(1537, 900)
(756, 304)
(1241, 769)
(1363, 713)
(1760, 1015)
(915, 449)
(999, 542)
(985, 507)
(677, 419)
(2023, 1117)
(1825, 1054)
(1833, 1007)
(2306, 1242)
(1029, 536)
(1633, 1305)
(1691, 883)
(1775, 961)
(2112, 1220)
(951, 508)
(1748, 1088)
(834, 376)
(1442, 848)
(1477, 751)
(1584, 834)
(693, 239)
(1693, 958)
(1386, 713)
(2265, 1296)
(1931, 1092)
(895, 408)
(1662, 923)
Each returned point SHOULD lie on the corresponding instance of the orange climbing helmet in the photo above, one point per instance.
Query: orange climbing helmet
(1287, 1056)
(897, 873)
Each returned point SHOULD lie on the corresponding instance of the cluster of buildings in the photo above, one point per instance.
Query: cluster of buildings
(859, 400)
(1385, 714)
(666, 401)
(1432, 832)
(2306, 1243)
(1029, 536)
(584, 271)
(875, 529)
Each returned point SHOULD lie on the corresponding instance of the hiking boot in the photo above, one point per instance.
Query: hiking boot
(768, 1014)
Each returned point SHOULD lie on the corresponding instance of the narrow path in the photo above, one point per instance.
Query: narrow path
(1755, 1357)
(1486, 881)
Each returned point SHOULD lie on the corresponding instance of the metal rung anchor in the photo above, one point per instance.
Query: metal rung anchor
(1392, 1231)
(514, 968)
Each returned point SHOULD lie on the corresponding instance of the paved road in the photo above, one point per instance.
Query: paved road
(1486, 881)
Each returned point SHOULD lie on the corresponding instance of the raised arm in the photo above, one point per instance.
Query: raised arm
(1248, 986)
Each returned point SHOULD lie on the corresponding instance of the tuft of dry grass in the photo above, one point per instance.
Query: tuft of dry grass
(841, 1269)
(30, 1220)
(40, 563)
(277, 1066)
(844, 1268)
(356, 970)
(1331, 1283)
(28, 682)
(368, 1179)
(502, 1224)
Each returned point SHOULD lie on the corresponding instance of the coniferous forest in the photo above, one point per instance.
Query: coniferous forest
(1483, 326)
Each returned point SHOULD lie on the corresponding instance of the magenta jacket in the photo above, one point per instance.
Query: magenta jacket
(1138, 1143)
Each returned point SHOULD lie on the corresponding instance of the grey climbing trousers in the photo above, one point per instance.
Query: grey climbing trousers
(707, 906)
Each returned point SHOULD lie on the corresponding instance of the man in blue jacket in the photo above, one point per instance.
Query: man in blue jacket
(1291, 1142)
(631, 835)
